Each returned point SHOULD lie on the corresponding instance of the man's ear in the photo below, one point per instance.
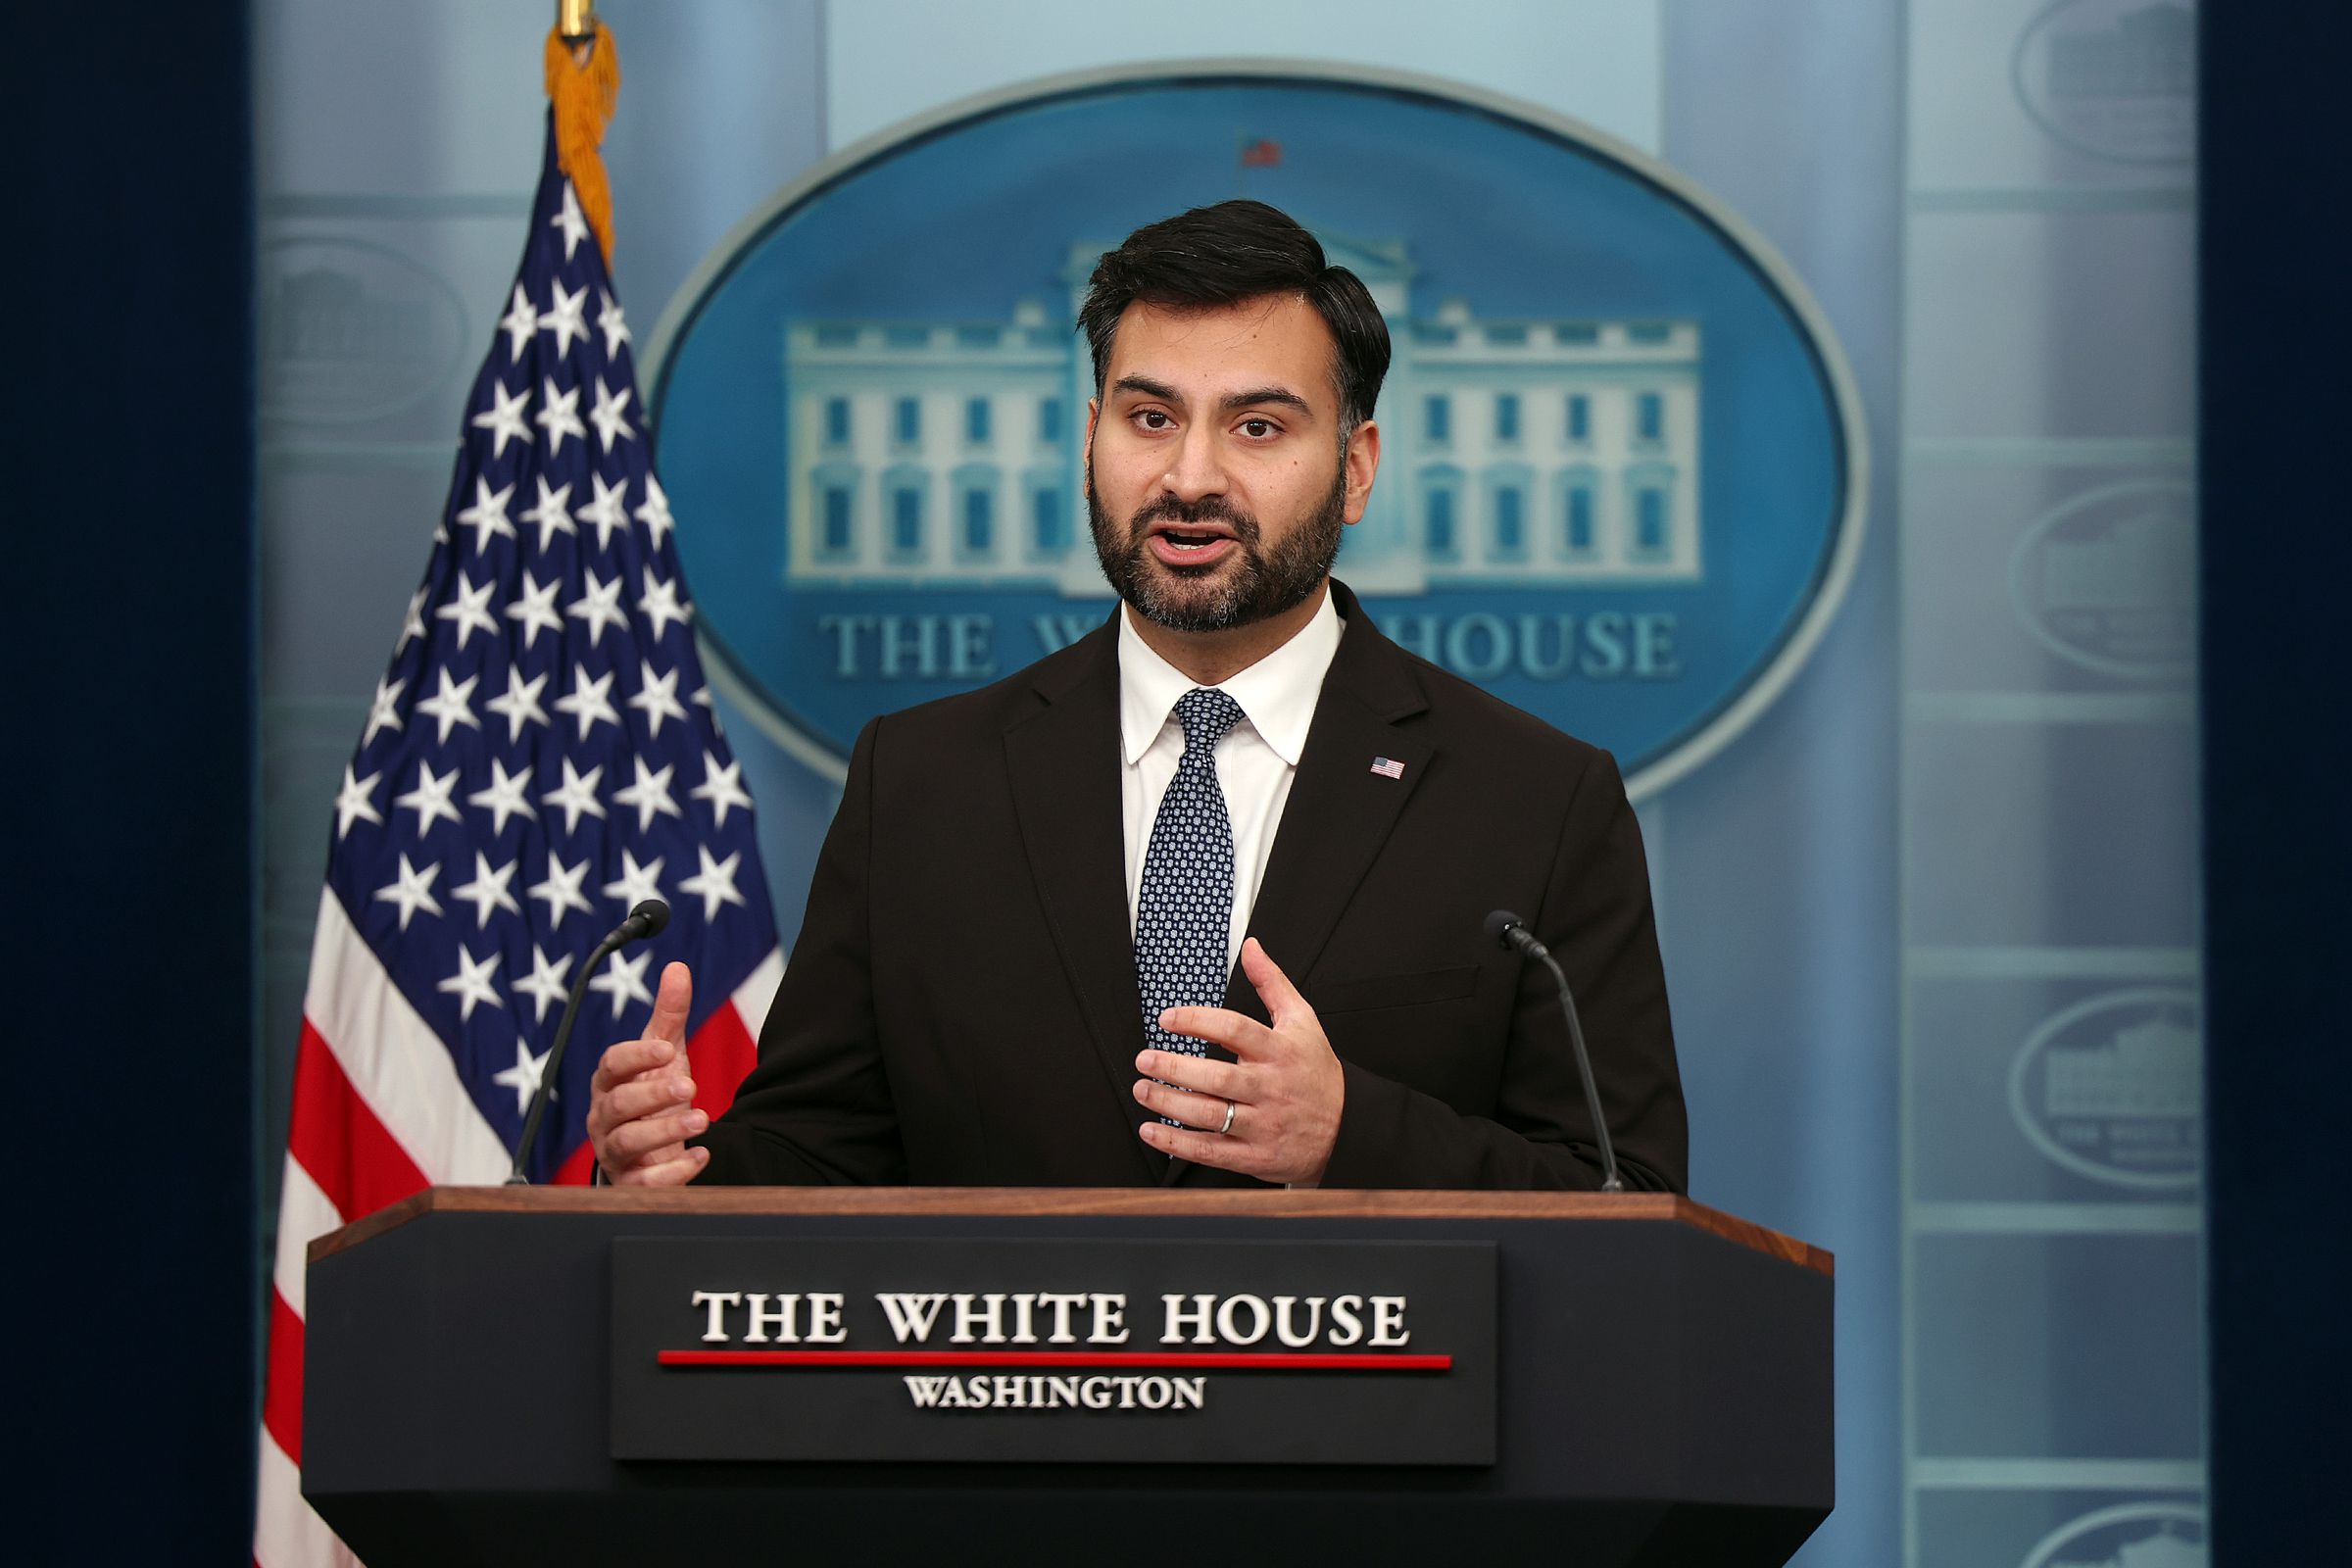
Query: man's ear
(1086, 453)
(1362, 465)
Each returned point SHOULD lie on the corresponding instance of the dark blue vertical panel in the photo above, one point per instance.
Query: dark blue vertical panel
(129, 721)
(2276, 559)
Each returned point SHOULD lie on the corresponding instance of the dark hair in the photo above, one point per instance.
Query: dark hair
(1231, 251)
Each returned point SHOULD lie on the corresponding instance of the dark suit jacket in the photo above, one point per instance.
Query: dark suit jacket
(961, 1005)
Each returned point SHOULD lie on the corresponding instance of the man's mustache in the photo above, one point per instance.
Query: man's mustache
(1208, 508)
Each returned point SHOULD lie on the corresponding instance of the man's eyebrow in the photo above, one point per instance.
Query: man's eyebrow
(1256, 395)
(1147, 387)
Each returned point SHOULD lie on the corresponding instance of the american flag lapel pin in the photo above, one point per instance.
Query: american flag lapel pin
(1387, 769)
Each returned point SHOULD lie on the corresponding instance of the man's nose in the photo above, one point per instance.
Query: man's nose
(1196, 466)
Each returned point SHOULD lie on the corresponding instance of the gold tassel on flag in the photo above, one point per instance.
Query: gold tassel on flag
(583, 81)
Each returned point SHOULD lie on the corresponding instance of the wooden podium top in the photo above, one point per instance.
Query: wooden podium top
(1155, 1202)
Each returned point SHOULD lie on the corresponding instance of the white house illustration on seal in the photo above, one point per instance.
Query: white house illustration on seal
(1515, 452)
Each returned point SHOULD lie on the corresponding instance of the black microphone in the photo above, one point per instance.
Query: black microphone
(1509, 931)
(644, 921)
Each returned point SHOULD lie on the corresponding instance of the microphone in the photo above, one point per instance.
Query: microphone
(1509, 931)
(644, 921)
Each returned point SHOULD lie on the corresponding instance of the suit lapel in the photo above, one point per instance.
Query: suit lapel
(1340, 812)
(1064, 766)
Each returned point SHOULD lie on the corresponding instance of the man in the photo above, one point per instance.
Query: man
(1018, 965)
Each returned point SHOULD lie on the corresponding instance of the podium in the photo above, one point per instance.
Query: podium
(1644, 1380)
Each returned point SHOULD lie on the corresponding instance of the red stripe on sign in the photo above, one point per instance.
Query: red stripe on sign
(1211, 1361)
(282, 1400)
(721, 1052)
(356, 1163)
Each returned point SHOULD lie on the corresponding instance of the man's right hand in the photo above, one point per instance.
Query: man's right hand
(641, 1101)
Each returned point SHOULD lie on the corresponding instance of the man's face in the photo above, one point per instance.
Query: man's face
(1216, 482)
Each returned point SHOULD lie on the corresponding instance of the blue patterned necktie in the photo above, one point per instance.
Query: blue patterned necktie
(1184, 914)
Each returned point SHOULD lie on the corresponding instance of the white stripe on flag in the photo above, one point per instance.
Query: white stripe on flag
(394, 1060)
(758, 993)
(287, 1532)
(304, 1213)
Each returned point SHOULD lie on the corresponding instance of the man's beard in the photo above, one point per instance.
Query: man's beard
(1218, 597)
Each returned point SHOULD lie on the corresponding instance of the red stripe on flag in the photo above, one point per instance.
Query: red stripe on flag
(721, 1052)
(574, 1172)
(282, 1400)
(356, 1163)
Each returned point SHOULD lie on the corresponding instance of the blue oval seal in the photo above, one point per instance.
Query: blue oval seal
(1621, 482)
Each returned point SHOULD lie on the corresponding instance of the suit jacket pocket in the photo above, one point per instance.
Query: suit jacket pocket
(1393, 989)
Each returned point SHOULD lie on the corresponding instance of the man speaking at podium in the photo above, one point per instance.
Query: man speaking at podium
(1198, 898)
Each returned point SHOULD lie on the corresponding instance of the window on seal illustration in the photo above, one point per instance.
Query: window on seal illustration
(837, 422)
(1652, 491)
(906, 420)
(1506, 415)
(1511, 524)
(906, 513)
(1650, 416)
(840, 513)
(979, 522)
(1579, 417)
(1441, 509)
(1437, 419)
(975, 422)
(1049, 520)
(1578, 534)
(1048, 420)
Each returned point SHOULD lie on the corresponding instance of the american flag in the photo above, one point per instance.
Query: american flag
(540, 756)
(1387, 769)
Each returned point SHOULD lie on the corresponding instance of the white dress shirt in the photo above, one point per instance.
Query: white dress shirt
(1256, 760)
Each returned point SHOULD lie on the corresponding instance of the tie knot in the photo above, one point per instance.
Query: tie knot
(1207, 714)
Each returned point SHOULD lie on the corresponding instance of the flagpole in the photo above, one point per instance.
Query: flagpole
(575, 20)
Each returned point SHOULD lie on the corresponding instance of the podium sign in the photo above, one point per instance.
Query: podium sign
(1010, 1350)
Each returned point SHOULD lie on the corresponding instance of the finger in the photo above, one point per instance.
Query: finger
(1202, 1075)
(1283, 1001)
(1204, 1111)
(672, 1004)
(647, 1096)
(630, 1057)
(1236, 1032)
(668, 1173)
(644, 1138)
(1202, 1149)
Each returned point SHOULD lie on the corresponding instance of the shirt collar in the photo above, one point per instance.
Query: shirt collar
(1278, 692)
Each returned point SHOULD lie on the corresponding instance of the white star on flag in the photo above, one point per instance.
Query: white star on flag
(714, 884)
(534, 610)
(471, 984)
(520, 324)
(658, 603)
(503, 796)
(384, 713)
(722, 787)
(488, 890)
(567, 317)
(655, 513)
(413, 891)
(519, 704)
(636, 883)
(504, 418)
(560, 416)
(656, 697)
(546, 985)
(412, 624)
(487, 516)
(611, 424)
(599, 605)
(587, 702)
(450, 706)
(611, 323)
(560, 891)
(354, 802)
(608, 510)
(552, 512)
(623, 980)
(569, 220)
(523, 1077)
(430, 800)
(470, 609)
(649, 794)
(577, 797)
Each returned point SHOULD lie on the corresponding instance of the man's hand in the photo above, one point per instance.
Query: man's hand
(641, 1101)
(1284, 1085)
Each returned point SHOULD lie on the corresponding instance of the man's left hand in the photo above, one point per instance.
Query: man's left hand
(1284, 1085)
